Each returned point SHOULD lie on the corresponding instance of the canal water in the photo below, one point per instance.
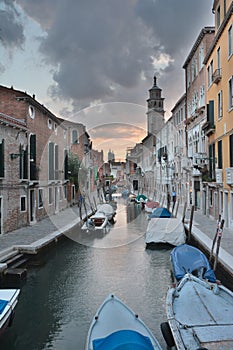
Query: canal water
(61, 294)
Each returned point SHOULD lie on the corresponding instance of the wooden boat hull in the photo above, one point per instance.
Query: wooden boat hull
(200, 315)
(115, 319)
(9, 300)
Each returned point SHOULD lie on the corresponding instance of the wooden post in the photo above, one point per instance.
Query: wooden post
(218, 244)
(95, 203)
(176, 207)
(215, 237)
(190, 223)
(184, 211)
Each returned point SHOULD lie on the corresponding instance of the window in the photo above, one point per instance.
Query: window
(65, 164)
(220, 154)
(230, 92)
(218, 17)
(23, 203)
(202, 96)
(231, 150)
(40, 198)
(230, 41)
(220, 105)
(33, 169)
(74, 136)
(210, 73)
(210, 113)
(201, 57)
(23, 165)
(56, 162)
(2, 158)
(50, 195)
(50, 125)
(218, 58)
(51, 161)
(65, 191)
(31, 112)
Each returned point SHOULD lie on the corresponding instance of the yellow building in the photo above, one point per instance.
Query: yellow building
(219, 126)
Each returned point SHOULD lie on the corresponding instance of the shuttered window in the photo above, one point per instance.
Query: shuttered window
(231, 150)
(33, 172)
(51, 161)
(220, 154)
(2, 158)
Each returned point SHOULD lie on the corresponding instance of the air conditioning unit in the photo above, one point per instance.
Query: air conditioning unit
(229, 176)
(218, 173)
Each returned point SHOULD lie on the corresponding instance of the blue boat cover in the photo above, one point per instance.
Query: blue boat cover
(186, 258)
(160, 213)
(3, 304)
(123, 340)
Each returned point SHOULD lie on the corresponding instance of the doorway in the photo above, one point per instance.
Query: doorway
(32, 206)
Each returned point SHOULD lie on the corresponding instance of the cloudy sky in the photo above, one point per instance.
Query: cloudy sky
(93, 61)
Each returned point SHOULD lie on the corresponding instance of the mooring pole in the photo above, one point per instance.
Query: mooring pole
(218, 244)
(215, 237)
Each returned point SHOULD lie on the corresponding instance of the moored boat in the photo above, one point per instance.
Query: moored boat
(115, 326)
(164, 229)
(199, 315)
(188, 259)
(8, 302)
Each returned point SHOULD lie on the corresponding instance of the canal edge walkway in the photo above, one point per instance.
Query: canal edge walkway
(31, 239)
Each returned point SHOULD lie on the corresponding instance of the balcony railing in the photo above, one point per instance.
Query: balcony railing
(217, 76)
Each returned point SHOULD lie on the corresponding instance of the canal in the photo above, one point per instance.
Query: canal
(62, 293)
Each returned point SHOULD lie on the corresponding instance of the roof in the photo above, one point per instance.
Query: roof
(219, 32)
(204, 31)
(22, 95)
(6, 119)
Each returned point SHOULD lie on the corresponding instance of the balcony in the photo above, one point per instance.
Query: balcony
(208, 128)
(229, 176)
(218, 173)
(217, 76)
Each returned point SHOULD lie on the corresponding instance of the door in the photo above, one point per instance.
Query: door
(32, 206)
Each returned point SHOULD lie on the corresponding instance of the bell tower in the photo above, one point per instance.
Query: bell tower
(155, 110)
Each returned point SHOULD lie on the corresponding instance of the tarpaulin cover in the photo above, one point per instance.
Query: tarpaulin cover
(160, 213)
(186, 258)
(123, 340)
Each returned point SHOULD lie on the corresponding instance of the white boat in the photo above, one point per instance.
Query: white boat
(107, 210)
(116, 326)
(8, 302)
(199, 314)
(98, 221)
(165, 231)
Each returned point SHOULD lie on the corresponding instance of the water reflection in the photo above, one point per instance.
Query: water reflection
(60, 298)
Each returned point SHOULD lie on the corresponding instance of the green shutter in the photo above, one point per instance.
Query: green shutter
(2, 159)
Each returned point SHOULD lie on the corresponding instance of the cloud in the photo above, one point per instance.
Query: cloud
(11, 29)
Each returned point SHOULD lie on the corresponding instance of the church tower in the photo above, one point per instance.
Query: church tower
(155, 110)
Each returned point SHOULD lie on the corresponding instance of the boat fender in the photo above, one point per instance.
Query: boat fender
(167, 334)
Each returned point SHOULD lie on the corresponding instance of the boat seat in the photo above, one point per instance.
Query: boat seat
(123, 340)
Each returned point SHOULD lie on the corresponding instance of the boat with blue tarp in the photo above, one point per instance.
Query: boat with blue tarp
(116, 327)
(188, 259)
